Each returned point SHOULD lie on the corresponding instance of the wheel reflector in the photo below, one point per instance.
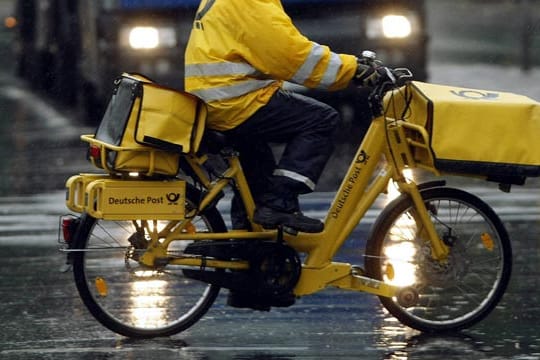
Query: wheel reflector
(390, 273)
(487, 241)
(101, 286)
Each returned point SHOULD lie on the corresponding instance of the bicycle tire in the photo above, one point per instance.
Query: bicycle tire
(451, 296)
(131, 300)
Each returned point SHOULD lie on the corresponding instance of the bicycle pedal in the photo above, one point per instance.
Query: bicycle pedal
(289, 230)
(285, 229)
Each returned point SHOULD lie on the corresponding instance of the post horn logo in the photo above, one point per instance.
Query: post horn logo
(173, 198)
(475, 95)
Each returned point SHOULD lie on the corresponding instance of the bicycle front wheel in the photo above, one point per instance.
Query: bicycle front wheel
(452, 294)
(129, 298)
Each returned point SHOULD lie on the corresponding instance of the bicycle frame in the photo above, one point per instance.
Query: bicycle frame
(355, 196)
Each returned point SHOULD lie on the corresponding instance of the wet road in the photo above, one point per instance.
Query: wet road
(43, 318)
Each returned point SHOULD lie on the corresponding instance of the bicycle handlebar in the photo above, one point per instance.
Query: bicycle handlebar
(389, 79)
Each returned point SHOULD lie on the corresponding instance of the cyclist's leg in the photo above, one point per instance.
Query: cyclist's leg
(306, 126)
(257, 162)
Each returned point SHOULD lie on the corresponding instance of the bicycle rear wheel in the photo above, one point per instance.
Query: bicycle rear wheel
(452, 295)
(128, 298)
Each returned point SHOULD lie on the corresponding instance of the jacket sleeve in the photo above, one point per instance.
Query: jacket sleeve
(276, 48)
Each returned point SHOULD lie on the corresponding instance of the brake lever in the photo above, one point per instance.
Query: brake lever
(390, 75)
(402, 73)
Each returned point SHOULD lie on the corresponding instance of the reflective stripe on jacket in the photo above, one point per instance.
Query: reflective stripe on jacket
(240, 52)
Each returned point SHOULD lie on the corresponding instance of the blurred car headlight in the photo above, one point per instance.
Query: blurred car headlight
(396, 26)
(148, 37)
(144, 37)
(391, 26)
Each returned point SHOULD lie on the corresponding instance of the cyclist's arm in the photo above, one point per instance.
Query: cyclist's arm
(277, 48)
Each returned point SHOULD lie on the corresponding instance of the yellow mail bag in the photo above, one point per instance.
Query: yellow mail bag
(477, 132)
(148, 127)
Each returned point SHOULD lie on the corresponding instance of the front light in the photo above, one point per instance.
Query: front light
(148, 37)
(390, 26)
(144, 37)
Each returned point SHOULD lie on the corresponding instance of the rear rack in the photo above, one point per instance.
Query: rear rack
(100, 160)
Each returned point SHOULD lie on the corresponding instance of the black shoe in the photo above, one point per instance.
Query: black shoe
(271, 219)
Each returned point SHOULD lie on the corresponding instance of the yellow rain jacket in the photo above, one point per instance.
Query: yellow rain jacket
(240, 52)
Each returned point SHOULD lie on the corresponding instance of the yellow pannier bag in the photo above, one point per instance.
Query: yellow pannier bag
(477, 132)
(146, 128)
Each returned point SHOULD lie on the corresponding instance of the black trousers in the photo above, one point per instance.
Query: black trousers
(306, 127)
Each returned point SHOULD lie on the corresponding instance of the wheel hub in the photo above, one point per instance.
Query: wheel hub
(446, 272)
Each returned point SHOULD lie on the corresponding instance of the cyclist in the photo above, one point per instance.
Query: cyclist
(238, 56)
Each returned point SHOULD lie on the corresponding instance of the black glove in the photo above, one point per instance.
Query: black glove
(366, 74)
(370, 75)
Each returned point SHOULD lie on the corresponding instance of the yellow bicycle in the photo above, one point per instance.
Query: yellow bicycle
(439, 258)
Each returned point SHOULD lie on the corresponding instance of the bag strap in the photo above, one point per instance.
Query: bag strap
(408, 95)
